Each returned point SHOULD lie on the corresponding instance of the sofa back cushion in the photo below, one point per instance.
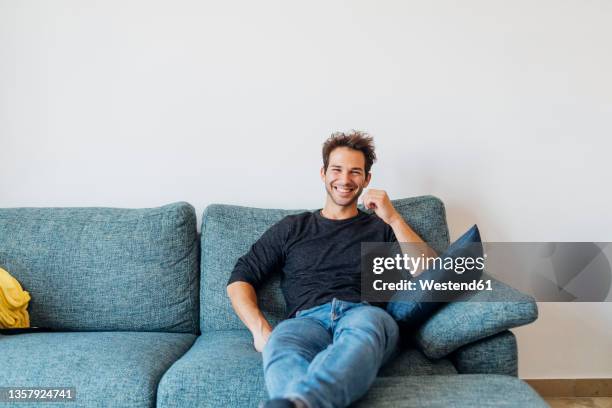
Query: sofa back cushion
(229, 231)
(105, 268)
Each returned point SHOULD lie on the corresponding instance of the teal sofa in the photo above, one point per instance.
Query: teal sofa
(140, 317)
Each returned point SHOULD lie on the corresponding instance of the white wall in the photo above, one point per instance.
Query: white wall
(501, 108)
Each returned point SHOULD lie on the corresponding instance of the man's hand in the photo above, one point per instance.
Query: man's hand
(261, 339)
(379, 201)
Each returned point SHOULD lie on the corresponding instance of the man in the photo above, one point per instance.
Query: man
(328, 352)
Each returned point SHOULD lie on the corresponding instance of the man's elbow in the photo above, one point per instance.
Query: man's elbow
(230, 289)
(237, 288)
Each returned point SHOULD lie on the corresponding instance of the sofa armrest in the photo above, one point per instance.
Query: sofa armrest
(463, 322)
(497, 354)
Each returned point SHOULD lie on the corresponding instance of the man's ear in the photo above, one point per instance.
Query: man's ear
(367, 180)
(322, 174)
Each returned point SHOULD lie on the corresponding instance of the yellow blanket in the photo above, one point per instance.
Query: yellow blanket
(13, 303)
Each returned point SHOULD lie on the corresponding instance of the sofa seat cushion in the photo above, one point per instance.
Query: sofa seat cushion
(463, 390)
(223, 369)
(413, 362)
(107, 369)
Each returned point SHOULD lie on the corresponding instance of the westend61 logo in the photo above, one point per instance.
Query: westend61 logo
(487, 272)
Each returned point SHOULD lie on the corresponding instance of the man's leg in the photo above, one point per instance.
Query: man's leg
(293, 344)
(364, 338)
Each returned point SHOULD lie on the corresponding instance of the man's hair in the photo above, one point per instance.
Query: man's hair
(355, 139)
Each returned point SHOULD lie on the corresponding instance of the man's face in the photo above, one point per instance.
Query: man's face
(345, 177)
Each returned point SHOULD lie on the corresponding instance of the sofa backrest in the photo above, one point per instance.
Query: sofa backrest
(105, 268)
(229, 231)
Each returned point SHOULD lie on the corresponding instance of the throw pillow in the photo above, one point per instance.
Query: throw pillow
(411, 308)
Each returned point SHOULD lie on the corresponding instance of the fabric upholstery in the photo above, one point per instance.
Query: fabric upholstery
(496, 354)
(458, 391)
(107, 369)
(461, 323)
(411, 361)
(223, 369)
(105, 268)
(229, 231)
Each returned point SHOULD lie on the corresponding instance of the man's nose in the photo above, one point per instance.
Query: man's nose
(345, 178)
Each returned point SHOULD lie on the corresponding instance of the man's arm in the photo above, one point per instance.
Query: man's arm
(251, 270)
(244, 302)
(379, 201)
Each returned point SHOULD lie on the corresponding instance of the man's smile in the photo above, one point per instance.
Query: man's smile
(344, 190)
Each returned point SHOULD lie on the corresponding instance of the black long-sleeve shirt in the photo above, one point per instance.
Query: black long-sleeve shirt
(318, 258)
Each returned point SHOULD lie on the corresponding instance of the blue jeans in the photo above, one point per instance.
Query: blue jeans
(329, 355)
